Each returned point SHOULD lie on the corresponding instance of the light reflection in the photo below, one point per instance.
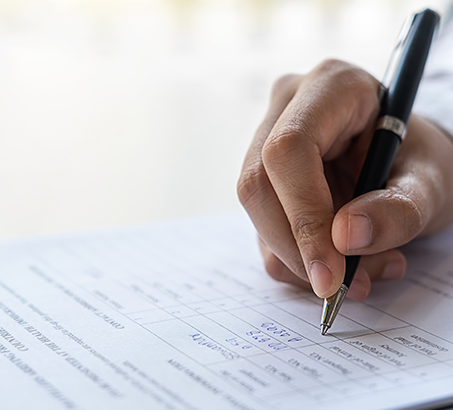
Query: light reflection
(123, 111)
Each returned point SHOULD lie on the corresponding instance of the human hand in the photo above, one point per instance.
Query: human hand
(301, 169)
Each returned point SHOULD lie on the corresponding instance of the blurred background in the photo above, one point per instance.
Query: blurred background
(116, 112)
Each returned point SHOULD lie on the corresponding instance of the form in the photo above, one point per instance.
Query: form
(182, 315)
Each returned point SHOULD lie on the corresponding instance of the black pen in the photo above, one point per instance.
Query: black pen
(400, 87)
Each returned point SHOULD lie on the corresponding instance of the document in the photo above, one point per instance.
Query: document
(183, 316)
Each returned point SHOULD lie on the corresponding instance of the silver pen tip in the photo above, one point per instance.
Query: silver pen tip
(331, 307)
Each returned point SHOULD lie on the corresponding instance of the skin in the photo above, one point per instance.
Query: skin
(300, 172)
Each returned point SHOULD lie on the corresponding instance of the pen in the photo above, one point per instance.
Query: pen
(401, 81)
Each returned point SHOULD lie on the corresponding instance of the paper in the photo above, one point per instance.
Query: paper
(183, 316)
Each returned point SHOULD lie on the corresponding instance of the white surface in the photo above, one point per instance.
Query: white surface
(118, 112)
(183, 316)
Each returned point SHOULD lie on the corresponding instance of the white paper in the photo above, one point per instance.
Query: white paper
(183, 316)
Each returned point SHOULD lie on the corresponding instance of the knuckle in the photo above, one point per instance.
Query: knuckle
(332, 64)
(338, 68)
(305, 229)
(284, 85)
(280, 144)
(357, 88)
(252, 182)
(350, 77)
(412, 219)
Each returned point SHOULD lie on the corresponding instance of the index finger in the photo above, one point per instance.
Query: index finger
(256, 193)
(335, 103)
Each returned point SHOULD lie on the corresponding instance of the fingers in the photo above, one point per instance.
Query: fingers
(416, 200)
(294, 167)
(279, 271)
(379, 221)
(389, 265)
(360, 286)
(305, 151)
(310, 126)
(256, 193)
(282, 185)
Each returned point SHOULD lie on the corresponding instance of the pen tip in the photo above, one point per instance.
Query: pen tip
(324, 329)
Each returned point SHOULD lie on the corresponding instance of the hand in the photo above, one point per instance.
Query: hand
(300, 172)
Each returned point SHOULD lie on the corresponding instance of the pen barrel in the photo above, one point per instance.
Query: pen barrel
(378, 162)
(374, 175)
(406, 78)
(397, 104)
(352, 263)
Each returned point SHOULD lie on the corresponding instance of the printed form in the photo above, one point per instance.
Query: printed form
(183, 316)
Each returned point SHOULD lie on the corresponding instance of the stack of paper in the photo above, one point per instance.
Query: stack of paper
(183, 316)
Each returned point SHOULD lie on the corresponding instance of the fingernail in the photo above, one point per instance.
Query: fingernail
(321, 277)
(394, 270)
(359, 232)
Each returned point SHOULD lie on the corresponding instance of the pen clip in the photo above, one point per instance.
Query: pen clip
(405, 30)
(402, 38)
